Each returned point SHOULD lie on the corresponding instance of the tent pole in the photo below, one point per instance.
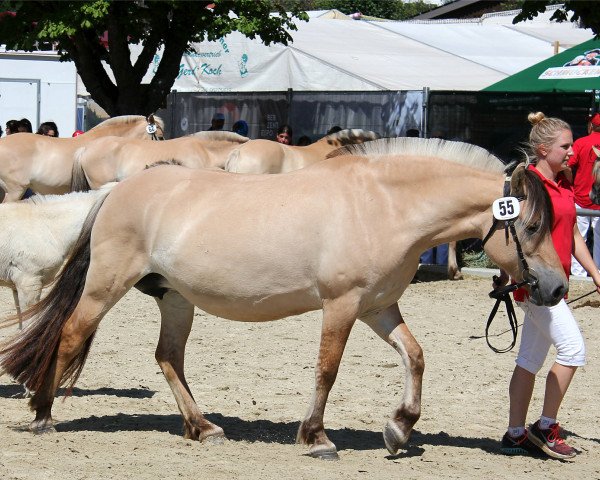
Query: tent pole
(424, 115)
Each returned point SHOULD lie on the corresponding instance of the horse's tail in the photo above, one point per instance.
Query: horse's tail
(79, 182)
(28, 356)
(351, 136)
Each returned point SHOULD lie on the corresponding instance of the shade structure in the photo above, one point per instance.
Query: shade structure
(576, 69)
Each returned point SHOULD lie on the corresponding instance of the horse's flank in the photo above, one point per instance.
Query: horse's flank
(112, 159)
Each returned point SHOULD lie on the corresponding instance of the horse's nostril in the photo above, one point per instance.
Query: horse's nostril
(559, 293)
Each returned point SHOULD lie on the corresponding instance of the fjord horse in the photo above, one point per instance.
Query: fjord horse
(112, 159)
(343, 235)
(267, 156)
(36, 236)
(44, 164)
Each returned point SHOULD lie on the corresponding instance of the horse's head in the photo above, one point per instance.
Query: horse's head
(524, 247)
(595, 191)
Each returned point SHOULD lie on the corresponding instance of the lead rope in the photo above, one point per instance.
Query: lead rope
(503, 295)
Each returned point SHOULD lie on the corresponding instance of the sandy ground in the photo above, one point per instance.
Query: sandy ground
(255, 380)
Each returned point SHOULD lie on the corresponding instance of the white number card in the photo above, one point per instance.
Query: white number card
(506, 208)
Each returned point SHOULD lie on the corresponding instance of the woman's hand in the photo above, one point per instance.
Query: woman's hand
(500, 281)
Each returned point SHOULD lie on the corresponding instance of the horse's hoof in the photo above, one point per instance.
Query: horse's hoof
(215, 439)
(41, 428)
(324, 452)
(394, 437)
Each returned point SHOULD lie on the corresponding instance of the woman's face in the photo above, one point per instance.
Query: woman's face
(558, 152)
(284, 138)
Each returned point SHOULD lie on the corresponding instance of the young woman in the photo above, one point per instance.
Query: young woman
(551, 143)
(284, 135)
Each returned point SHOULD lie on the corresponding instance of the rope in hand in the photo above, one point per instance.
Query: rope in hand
(502, 295)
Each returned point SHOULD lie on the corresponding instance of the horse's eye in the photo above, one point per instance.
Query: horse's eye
(532, 228)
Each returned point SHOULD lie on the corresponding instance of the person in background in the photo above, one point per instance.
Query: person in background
(12, 126)
(284, 135)
(413, 132)
(1, 131)
(76, 133)
(582, 164)
(240, 127)
(48, 128)
(550, 144)
(217, 122)
(24, 125)
(334, 129)
(304, 140)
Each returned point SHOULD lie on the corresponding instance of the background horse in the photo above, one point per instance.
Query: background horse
(266, 156)
(35, 238)
(112, 159)
(44, 164)
(343, 235)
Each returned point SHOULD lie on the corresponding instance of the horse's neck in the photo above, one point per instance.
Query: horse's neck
(129, 130)
(450, 207)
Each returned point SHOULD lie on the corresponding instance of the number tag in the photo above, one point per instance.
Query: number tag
(506, 208)
(151, 128)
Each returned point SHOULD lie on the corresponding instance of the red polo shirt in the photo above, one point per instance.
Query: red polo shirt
(563, 206)
(582, 163)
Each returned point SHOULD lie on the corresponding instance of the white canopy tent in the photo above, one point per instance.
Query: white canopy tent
(334, 53)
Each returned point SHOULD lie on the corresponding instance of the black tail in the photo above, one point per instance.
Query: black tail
(28, 356)
(79, 182)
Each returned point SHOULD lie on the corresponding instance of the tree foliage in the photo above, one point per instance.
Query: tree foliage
(586, 13)
(75, 29)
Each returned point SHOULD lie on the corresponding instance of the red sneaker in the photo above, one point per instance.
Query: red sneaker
(550, 442)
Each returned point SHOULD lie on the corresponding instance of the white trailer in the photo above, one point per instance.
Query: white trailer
(39, 87)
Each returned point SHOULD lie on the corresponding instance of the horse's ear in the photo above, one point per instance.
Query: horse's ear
(150, 118)
(517, 181)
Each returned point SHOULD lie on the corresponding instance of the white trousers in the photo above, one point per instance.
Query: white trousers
(584, 224)
(545, 326)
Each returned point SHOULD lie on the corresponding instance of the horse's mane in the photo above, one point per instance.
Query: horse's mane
(349, 136)
(458, 152)
(67, 197)
(125, 119)
(173, 161)
(220, 135)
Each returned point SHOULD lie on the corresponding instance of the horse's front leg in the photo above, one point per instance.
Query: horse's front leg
(338, 318)
(177, 315)
(390, 326)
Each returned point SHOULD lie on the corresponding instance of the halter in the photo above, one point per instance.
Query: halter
(529, 277)
(152, 128)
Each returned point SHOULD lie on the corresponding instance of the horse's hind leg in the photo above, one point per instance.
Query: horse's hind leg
(338, 318)
(453, 271)
(390, 326)
(177, 315)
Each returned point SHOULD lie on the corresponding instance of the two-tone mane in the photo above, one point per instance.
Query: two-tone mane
(125, 120)
(457, 152)
(350, 136)
(215, 135)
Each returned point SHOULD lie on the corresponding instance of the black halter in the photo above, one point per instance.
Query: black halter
(502, 294)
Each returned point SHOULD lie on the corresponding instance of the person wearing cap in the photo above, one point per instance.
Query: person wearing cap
(217, 121)
(240, 127)
(76, 133)
(581, 164)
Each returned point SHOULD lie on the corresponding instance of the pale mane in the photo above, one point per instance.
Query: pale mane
(224, 136)
(126, 119)
(458, 152)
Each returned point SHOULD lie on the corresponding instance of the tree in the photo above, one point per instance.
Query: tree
(75, 28)
(586, 13)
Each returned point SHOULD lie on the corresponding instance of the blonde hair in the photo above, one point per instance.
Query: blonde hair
(544, 131)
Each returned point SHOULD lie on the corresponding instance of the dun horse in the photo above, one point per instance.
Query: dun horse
(343, 235)
(44, 164)
(35, 238)
(112, 159)
(266, 156)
